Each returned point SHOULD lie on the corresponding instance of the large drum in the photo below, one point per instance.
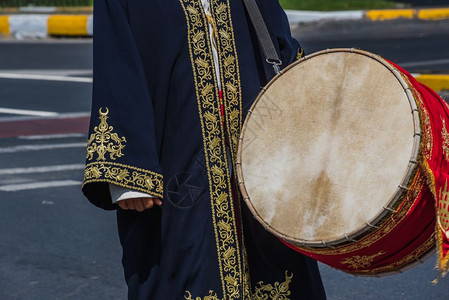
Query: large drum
(331, 161)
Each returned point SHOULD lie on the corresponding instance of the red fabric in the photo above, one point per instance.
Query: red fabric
(437, 165)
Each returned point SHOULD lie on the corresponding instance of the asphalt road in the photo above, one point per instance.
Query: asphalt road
(417, 46)
(55, 245)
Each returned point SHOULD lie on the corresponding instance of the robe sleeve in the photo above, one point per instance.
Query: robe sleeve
(122, 147)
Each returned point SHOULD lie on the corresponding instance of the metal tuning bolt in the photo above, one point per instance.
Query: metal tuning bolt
(349, 239)
(403, 187)
(389, 209)
(372, 226)
(327, 245)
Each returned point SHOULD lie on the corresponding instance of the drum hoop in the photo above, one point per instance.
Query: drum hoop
(403, 187)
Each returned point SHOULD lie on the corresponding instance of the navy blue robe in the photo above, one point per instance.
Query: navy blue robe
(157, 127)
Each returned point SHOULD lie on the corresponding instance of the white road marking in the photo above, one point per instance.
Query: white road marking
(63, 72)
(16, 180)
(424, 63)
(26, 148)
(42, 169)
(45, 77)
(27, 112)
(52, 136)
(58, 116)
(38, 185)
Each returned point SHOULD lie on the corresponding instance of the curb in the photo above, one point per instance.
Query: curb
(22, 26)
(47, 9)
(437, 82)
(422, 14)
(429, 14)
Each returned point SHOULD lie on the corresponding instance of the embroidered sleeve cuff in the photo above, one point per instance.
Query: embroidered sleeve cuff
(125, 176)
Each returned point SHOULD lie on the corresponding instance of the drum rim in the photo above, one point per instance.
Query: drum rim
(398, 195)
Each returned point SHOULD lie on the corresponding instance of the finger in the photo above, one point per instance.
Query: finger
(122, 205)
(130, 203)
(157, 201)
(138, 204)
(147, 202)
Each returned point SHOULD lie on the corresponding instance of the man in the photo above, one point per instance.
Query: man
(172, 82)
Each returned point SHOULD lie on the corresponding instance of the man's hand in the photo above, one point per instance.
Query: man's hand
(139, 204)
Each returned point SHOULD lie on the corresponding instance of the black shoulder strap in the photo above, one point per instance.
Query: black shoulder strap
(262, 34)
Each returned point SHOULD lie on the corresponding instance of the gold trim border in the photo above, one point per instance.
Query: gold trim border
(222, 206)
(126, 176)
(229, 72)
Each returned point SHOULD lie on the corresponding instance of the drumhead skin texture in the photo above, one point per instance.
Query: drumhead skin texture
(326, 147)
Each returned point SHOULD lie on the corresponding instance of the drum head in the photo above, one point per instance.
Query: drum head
(326, 146)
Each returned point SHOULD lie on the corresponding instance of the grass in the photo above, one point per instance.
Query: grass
(325, 5)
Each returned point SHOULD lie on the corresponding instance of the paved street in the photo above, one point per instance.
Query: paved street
(418, 46)
(55, 245)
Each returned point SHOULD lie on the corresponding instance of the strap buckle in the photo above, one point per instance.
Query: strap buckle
(276, 63)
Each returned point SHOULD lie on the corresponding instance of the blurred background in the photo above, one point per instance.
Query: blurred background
(54, 244)
(18, 3)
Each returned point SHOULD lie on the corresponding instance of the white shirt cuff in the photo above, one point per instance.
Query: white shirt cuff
(119, 193)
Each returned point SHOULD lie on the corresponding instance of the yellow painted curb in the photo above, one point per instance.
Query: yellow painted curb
(379, 15)
(4, 25)
(67, 25)
(434, 14)
(436, 82)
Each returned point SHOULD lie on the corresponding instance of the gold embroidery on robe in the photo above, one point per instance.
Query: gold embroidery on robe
(104, 141)
(125, 176)
(262, 291)
(277, 291)
(222, 206)
(229, 71)
(211, 296)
